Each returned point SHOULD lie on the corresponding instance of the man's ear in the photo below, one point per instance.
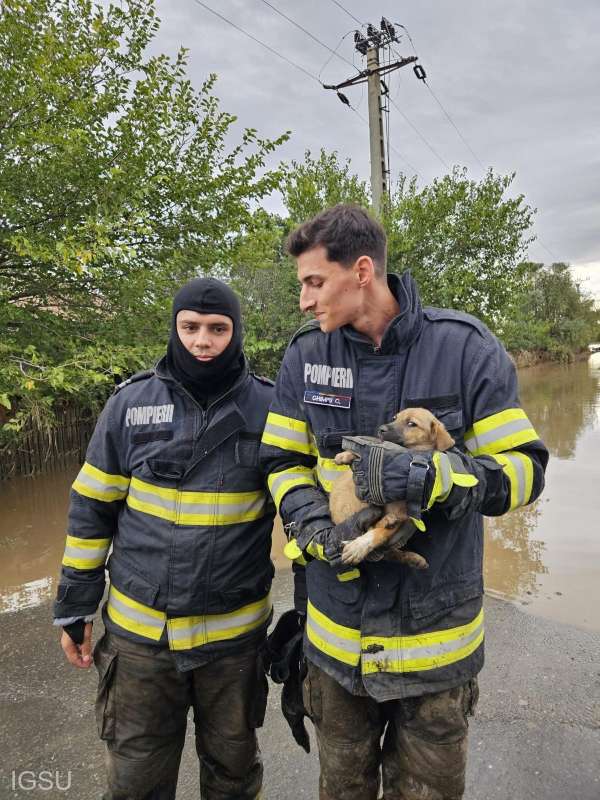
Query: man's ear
(440, 436)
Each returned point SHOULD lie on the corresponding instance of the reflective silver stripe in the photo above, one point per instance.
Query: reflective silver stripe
(153, 499)
(351, 646)
(329, 474)
(430, 651)
(482, 439)
(211, 624)
(287, 433)
(285, 477)
(521, 480)
(219, 507)
(134, 614)
(88, 553)
(93, 483)
(445, 474)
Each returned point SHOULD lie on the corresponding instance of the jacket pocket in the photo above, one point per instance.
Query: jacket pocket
(427, 608)
(446, 408)
(105, 661)
(246, 450)
(329, 443)
(131, 581)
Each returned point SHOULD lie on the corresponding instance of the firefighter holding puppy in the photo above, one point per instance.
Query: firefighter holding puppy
(392, 652)
(171, 481)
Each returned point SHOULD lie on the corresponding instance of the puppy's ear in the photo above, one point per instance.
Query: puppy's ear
(440, 437)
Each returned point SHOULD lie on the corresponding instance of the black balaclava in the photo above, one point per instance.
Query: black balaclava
(208, 380)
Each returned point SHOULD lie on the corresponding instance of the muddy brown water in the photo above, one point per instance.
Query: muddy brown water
(545, 557)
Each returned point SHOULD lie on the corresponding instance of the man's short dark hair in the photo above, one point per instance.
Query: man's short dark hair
(346, 231)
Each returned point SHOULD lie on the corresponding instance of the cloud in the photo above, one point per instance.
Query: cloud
(519, 80)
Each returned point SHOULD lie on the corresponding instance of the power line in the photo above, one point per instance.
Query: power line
(308, 33)
(419, 134)
(439, 102)
(258, 41)
(345, 10)
(334, 53)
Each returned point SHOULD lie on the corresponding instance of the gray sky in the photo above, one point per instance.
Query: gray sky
(520, 80)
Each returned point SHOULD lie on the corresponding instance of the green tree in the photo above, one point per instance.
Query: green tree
(462, 239)
(550, 312)
(116, 184)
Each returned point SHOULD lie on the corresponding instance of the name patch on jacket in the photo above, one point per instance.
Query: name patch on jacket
(338, 377)
(324, 399)
(149, 415)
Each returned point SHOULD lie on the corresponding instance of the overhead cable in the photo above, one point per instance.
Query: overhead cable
(258, 41)
(339, 5)
(419, 134)
(308, 33)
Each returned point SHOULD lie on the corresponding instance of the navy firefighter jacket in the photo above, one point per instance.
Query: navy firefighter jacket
(385, 627)
(177, 492)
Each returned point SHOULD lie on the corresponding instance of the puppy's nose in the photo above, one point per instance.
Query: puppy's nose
(383, 429)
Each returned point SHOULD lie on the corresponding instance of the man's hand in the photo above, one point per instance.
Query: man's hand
(79, 655)
(385, 471)
(326, 542)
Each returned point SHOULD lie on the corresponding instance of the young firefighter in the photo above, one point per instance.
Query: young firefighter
(172, 482)
(392, 652)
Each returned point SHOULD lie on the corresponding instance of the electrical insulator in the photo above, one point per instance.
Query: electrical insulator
(419, 72)
(374, 35)
(362, 44)
(343, 98)
(388, 28)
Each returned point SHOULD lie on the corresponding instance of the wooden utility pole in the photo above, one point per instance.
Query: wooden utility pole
(376, 39)
(376, 138)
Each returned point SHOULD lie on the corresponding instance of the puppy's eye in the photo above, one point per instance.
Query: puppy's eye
(411, 424)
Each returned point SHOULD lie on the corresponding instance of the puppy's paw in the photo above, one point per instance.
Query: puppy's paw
(358, 549)
(345, 457)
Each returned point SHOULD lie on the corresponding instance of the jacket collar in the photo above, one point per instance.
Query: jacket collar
(404, 329)
(161, 371)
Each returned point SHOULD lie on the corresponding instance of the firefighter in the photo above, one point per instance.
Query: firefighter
(172, 483)
(392, 652)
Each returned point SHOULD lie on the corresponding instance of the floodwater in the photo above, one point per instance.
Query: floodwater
(545, 557)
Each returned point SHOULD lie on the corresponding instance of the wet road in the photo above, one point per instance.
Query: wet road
(545, 557)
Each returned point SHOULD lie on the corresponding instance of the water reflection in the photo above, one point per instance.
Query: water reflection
(513, 556)
(547, 555)
(32, 537)
(562, 402)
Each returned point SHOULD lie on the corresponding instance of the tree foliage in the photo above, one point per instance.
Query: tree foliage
(116, 183)
(119, 181)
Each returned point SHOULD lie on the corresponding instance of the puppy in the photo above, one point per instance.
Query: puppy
(415, 429)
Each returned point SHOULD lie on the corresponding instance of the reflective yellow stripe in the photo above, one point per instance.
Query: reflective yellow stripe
(288, 434)
(350, 575)
(188, 632)
(503, 431)
(93, 482)
(185, 632)
(85, 553)
(195, 508)
(315, 550)
(134, 616)
(519, 470)
(328, 471)
(334, 640)
(393, 653)
(422, 651)
(449, 472)
(281, 482)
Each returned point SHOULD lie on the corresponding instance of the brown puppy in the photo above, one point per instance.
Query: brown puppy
(415, 429)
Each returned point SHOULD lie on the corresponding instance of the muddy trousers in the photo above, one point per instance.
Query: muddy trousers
(142, 707)
(418, 745)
